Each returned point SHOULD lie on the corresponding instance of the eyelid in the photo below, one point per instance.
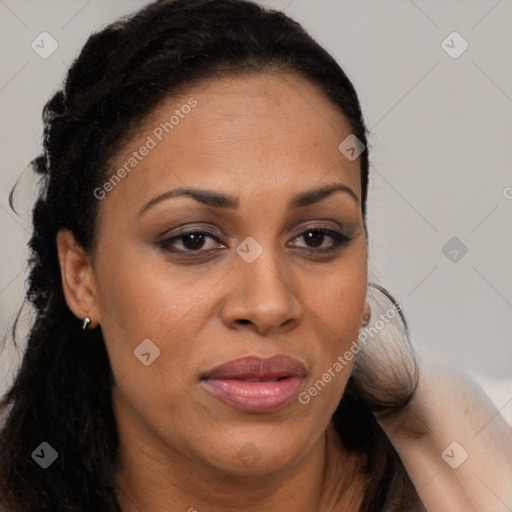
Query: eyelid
(318, 224)
(191, 228)
(212, 229)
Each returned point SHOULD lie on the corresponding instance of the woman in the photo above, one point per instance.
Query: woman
(199, 275)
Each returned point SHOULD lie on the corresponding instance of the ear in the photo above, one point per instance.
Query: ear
(367, 313)
(77, 278)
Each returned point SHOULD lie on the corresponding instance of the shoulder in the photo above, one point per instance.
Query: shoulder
(453, 442)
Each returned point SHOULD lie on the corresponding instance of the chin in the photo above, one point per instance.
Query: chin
(258, 451)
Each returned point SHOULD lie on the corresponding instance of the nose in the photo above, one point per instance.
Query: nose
(262, 296)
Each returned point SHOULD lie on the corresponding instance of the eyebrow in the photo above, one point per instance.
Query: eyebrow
(221, 200)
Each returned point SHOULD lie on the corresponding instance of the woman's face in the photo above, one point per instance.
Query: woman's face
(255, 278)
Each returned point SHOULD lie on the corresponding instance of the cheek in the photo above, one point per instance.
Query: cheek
(145, 295)
(143, 299)
(336, 303)
(337, 298)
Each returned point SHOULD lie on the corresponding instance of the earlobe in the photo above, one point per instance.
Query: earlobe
(77, 277)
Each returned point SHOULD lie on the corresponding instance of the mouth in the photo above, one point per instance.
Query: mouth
(257, 385)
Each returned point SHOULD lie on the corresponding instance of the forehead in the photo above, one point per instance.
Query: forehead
(250, 133)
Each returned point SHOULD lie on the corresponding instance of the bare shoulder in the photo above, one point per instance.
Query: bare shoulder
(454, 443)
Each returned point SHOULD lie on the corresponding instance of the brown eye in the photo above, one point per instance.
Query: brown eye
(191, 241)
(316, 238)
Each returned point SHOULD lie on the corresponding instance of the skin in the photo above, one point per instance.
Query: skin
(449, 407)
(262, 138)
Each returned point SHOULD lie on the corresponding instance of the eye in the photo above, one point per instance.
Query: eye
(191, 241)
(197, 242)
(316, 237)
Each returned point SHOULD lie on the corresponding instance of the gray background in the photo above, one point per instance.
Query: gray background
(441, 159)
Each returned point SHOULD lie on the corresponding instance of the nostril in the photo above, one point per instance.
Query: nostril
(242, 321)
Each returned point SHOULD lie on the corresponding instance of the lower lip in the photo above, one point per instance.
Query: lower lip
(260, 397)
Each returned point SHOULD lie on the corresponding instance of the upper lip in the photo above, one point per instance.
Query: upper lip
(254, 367)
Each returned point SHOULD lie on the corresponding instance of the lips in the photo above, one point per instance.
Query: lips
(254, 384)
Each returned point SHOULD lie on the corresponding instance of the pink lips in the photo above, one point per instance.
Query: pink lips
(253, 384)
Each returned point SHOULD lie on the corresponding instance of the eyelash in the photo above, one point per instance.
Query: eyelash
(339, 240)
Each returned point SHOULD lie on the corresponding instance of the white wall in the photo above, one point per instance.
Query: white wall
(441, 152)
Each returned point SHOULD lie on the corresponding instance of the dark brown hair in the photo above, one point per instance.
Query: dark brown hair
(61, 393)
